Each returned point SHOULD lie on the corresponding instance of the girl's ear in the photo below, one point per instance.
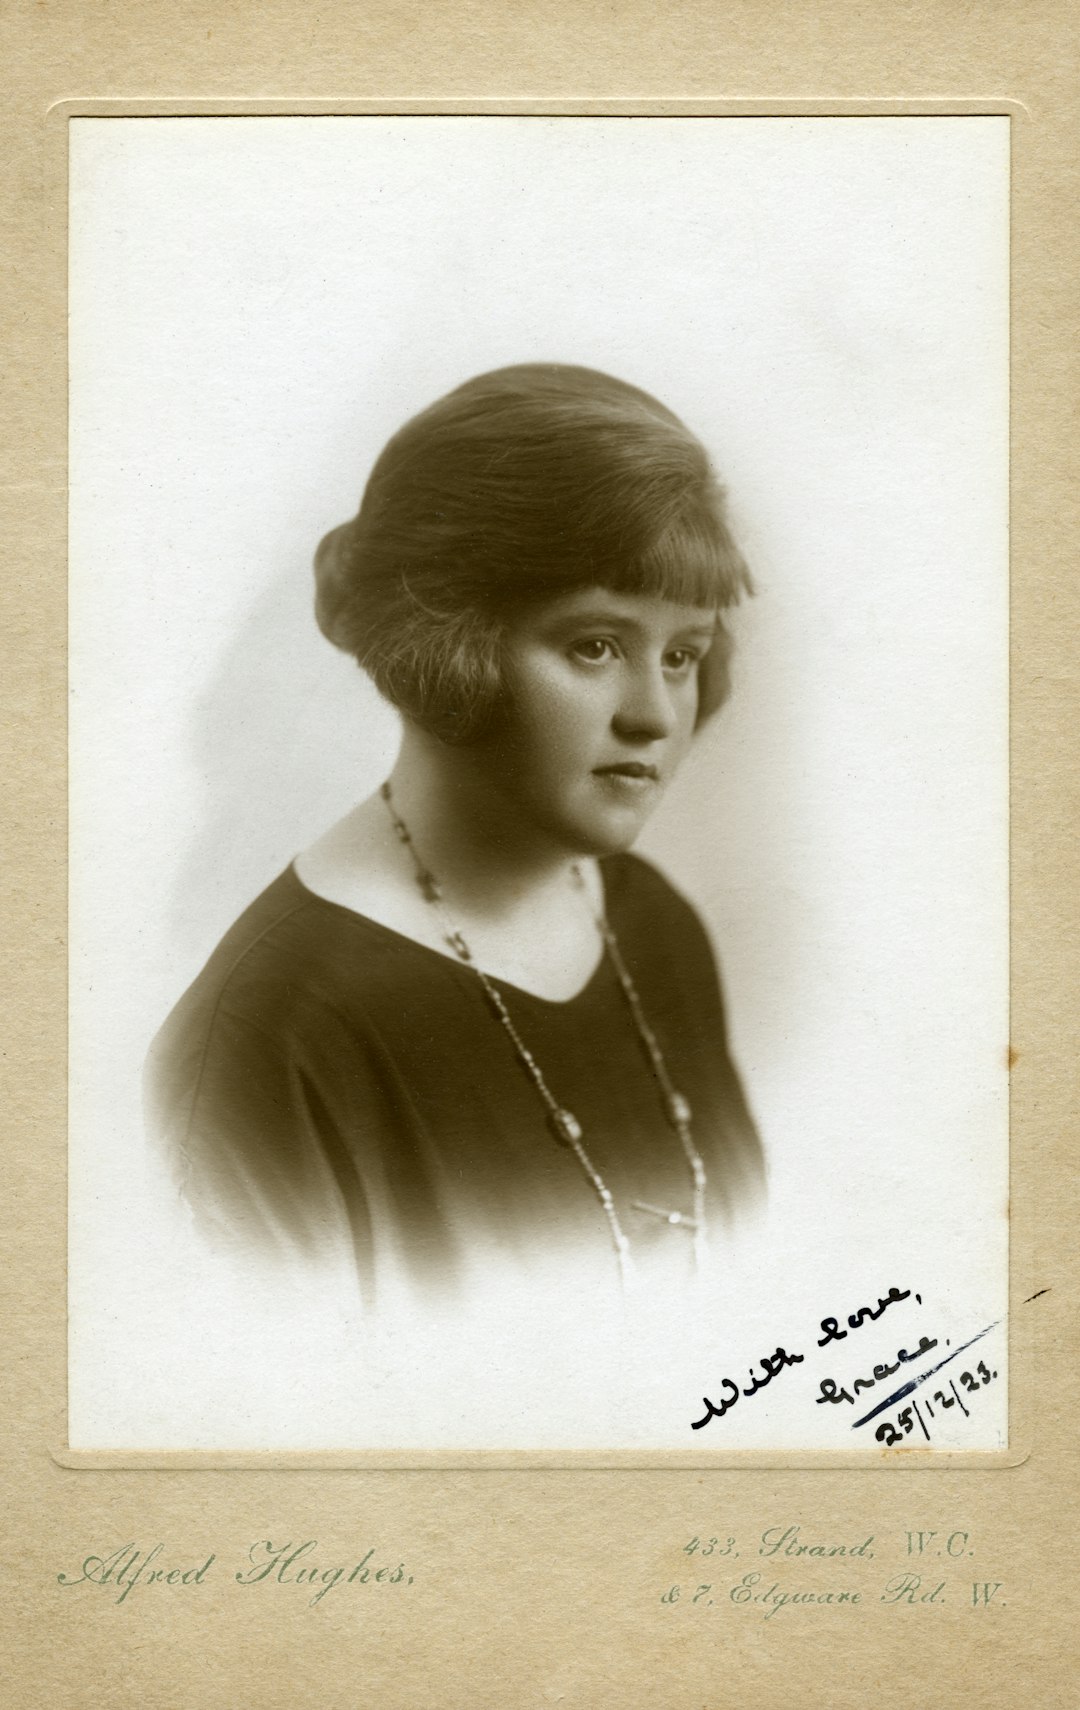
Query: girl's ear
(714, 675)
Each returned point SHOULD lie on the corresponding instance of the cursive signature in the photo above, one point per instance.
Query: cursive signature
(831, 1392)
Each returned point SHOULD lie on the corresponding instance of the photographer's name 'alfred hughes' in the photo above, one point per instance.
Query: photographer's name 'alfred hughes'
(267, 1563)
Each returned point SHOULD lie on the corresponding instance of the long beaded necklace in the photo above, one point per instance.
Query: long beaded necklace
(564, 1123)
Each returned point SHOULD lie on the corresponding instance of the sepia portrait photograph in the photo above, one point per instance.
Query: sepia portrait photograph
(539, 807)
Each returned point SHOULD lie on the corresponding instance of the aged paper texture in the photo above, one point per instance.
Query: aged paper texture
(152, 1555)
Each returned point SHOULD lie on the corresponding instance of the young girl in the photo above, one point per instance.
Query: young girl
(467, 1023)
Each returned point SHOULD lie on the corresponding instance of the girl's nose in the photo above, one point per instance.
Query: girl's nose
(646, 711)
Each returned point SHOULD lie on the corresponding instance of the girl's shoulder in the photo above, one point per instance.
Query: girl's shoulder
(292, 959)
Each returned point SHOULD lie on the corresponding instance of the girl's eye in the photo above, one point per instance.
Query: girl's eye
(681, 659)
(593, 649)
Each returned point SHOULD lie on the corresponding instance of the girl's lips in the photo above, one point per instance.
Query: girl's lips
(636, 779)
(629, 769)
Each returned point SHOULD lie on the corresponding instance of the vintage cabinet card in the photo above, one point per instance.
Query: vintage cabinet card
(370, 1369)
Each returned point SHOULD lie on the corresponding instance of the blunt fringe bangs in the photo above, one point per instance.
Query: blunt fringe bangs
(517, 487)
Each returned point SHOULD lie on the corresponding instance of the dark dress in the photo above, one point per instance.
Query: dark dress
(327, 1078)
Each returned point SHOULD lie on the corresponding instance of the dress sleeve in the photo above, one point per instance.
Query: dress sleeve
(267, 1128)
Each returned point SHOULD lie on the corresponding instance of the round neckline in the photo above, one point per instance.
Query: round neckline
(519, 992)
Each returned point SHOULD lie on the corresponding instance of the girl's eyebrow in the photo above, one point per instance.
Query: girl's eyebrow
(595, 617)
(569, 622)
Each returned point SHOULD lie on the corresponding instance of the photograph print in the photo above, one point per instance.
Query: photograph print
(538, 784)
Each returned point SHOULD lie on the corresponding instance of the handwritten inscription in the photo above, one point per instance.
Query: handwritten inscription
(892, 1431)
(864, 1315)
(835, 1392)
(830, 1391)
(729, 1391)
(770, 1365)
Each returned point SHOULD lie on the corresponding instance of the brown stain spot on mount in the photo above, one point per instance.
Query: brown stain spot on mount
(1012, 1056)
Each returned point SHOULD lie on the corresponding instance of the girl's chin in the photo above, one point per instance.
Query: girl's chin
(607, 834)
(591, 823)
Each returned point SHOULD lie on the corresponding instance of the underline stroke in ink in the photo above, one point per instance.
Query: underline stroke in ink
(913, 1383)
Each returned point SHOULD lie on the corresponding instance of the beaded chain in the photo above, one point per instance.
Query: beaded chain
(565, 1126)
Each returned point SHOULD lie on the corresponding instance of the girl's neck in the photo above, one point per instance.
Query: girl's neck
(463, 830)
(519, 906)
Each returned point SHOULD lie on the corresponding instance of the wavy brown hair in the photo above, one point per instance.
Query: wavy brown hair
(520, 485)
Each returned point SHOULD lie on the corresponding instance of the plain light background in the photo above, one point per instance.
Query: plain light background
(256, 305)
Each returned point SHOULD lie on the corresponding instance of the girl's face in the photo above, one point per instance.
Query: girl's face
(604, 701)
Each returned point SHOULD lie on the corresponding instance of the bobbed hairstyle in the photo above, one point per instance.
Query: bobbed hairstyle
(522, 485)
